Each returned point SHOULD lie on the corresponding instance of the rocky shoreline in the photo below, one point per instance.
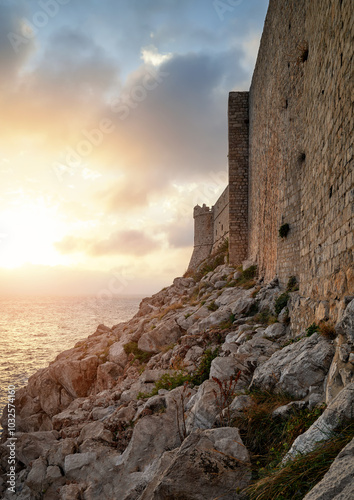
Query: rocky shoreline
(148, 409)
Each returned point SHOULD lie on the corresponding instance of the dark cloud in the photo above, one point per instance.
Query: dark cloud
(125, 242)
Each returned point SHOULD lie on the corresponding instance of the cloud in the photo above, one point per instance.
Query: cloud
(125, 242)
(14, 47)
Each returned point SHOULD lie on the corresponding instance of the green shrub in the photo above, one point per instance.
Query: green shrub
(227, 323)
(264, 317)
(281, 302)
(170, 381)
(292, 285)
(312, 329)
(247, 278)
(212, 306)
(203, 370)
(141, 356)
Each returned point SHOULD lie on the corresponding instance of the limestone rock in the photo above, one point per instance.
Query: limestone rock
(203, 413)
(242, 306)
(107, 375)
(74, 464)
(70, 492)
(36, 479)
(296, 367)
(224, 368)
(275, 331)
(59, 450)
(346, 326)
(213, 319)
(338, 410)
(96, 431)
(285, 411)
(168, 332)
(209, 464)
(29, 447)
(338, 483)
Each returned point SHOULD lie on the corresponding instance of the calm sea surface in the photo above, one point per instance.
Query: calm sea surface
(33, 330)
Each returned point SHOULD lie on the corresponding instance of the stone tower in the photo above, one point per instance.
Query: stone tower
(203, 234)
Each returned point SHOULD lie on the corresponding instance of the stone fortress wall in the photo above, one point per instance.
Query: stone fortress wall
(291, 156)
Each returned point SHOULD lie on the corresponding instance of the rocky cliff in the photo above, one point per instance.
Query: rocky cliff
(165, 406)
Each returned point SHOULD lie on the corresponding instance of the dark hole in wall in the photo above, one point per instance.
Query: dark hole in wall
(286, 104)
(302, 157)
(305, 54)
(331, 191)
(289, 26)
(322, 92)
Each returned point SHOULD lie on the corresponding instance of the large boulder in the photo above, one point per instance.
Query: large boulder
(166, 333)
(338, 483)
(203, 409)
(342, 369)
(296, 367)
(210, 464)
(31, 446)
(337, 412)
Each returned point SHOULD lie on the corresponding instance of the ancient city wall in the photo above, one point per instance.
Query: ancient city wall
(221, 219)
(301, 165)
(238, 115)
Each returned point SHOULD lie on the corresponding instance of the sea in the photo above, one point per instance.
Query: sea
(34, 330)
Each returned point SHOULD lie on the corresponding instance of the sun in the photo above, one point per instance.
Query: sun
(27, 233)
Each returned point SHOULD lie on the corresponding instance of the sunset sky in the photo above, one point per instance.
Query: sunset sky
(113, 126)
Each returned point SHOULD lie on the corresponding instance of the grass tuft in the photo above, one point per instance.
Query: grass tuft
(141, 356)
(294, 480)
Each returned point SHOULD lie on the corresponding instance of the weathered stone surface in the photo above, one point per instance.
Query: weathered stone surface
(256, 350)
(95, 430)
(213, 319)
(74, 463)
(275, 331)
(117, 354)
(70, 492)
(203, 413)
(153, 435)
(168, 332)
(69, 417)
(77, 377)
(338, 410)
(341, 372)
(296, 367)
(285, 411)
(346, 326)
(224, 368)
(59, 450)
(338, 482)
(241, 306)
(36, 479)
(29, 447)
(107, 375)
(209, 464)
